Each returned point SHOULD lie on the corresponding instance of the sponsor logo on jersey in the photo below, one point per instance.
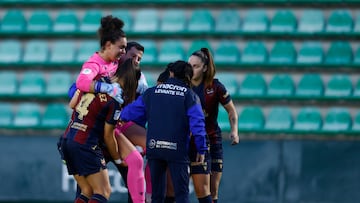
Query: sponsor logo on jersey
(152, 143)
(86, 71)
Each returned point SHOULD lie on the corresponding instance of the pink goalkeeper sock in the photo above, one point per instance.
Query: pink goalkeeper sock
(148, 179)
(135, 177)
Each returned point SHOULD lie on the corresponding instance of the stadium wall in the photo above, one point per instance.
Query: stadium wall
(255, 171)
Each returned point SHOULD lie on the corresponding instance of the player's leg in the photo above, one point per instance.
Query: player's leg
(200, 174)
(170, 193)
(180, 177)
(135, 133)
(158, 179)
(134, 160)
(85, 188)
(216, 153)
(100, 184)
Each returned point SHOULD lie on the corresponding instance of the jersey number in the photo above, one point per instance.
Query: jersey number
(83, 105)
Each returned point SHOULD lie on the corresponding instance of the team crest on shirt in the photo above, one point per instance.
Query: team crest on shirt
(117, 115)
(86, 71)
(210, 91)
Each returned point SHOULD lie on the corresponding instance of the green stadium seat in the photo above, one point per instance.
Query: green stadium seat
(87, 48)
(8, 83)
(173, 21)
(124, 15)
(356, 29)
(39, 22)
(311, 22)
(55, 116)
(151, 53)
(310, 53)
(228, 21)
(32, 84)
(151, 78)
(356, 92)
(171, 51)
(253, 85)
(27, 115)
(227, 53)
(356, 60)
(6, 115)
(281, 85)
(284, 21)
(10, 52)
(197, 45)
(223, 120)
(251, 119)
(308, 119)
(337, 120)
(339, 86)
(229, 80)
(283, 52)
(339, 53)
(13, 21)
(66, 22)
(62, 52)
(58, 84)
(91, 21)
(146, 21)
(339, 21)
(310, 86)
(255, 52)
(356, 123)
(201, 21)
(255, 21)
(279, 119)
(36, 52)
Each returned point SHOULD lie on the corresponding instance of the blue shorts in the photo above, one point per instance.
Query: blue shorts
(216, 153)
(213, 158)
(82, 159)
(196, 168)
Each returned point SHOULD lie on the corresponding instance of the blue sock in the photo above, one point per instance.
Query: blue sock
(206, 199)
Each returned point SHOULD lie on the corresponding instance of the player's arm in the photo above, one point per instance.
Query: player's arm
(233, 119)
(110, 141)
(135, 112)
(142, 84)
(197, 126)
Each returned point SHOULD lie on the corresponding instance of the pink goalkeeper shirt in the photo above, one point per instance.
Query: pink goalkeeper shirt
(94, 68)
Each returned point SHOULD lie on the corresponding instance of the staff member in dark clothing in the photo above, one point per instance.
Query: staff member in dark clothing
(173, 112)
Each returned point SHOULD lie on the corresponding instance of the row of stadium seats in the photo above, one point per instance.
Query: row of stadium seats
(251, 119)
(177, 2)
(226, 53)
(35, 84)
(282, 120)
(200, 21)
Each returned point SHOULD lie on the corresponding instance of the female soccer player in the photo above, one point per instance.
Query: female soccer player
(93, 120)
(104, 62)
(168, 133)
(211, 92)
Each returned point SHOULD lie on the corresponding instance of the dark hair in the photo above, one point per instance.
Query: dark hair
(206, 57)
(164, 76)
(128, 73)
(138, 46)
(110, 29)
(182, 70)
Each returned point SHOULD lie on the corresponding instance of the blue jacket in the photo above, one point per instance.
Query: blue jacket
(172, 111)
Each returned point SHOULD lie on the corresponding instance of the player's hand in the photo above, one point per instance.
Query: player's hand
(114, 90)
(200, 158)
(116, 93)
(234, 138)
